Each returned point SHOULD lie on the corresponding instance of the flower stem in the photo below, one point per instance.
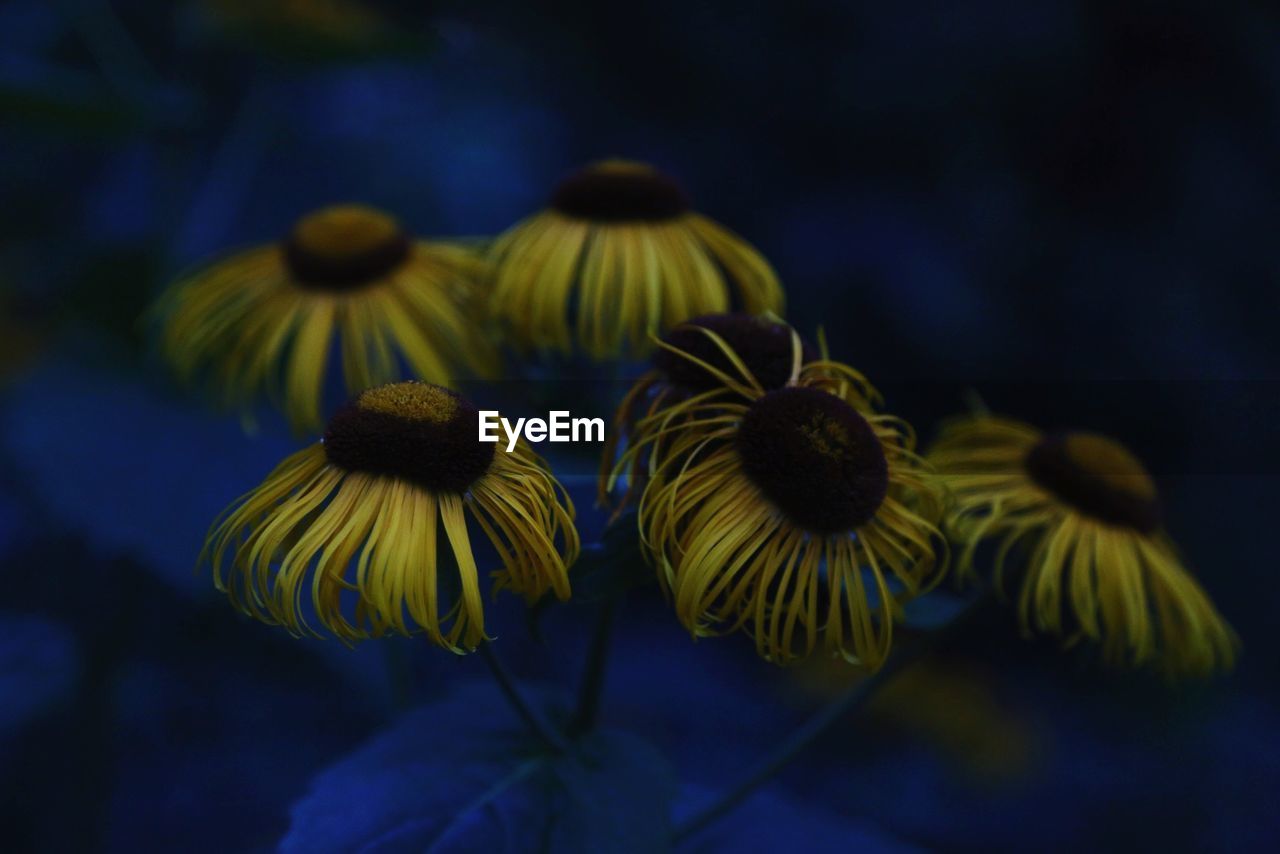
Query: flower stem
(821, 721)
(554, 741)
(592, 685)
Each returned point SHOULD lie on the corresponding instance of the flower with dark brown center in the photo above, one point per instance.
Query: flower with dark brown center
(796, 514)
(730, 357)
(618, 257)
(379, 510)
(620, 191)
(764, 346)
(265, 320)
(1078, 517)
(345, 246)
(419, 432)
(1097, 476)
(815, 457)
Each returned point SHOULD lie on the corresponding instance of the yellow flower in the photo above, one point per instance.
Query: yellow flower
(1099, 566)
(355, 521)
(787, 512)
(618, 257)
(709, 357)
(263, 320)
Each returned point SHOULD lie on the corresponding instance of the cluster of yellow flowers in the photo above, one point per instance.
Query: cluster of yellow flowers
(775, 496)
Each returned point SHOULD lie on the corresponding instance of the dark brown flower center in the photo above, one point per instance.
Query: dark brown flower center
(417, 431)
(620, 191)
(763, 346)
(814, 457)
(1098, 477)
(344, 246)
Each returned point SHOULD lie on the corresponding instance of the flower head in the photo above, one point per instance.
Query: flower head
(263, 320)
(356, 520)
(699, 353)
(617, 257)
(718, 357)
(1086, 515)
(793, 513)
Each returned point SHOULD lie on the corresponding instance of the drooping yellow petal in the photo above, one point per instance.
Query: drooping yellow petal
(249, 326)
(608, 286)
(1079, 576)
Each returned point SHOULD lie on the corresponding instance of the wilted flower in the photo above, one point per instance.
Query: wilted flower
(711, 357)
(787, 512)
(1087, 517)
(357, 517)
(264, 320)
(620, 256)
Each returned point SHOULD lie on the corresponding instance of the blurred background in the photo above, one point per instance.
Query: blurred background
(1069, 208)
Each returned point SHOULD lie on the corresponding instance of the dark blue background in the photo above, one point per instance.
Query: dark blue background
(1069, 207)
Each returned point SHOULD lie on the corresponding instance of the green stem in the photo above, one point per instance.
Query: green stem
(592, 685)
(822, 720)
(554, 741)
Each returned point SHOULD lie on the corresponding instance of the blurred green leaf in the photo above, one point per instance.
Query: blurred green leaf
(463, 775)
(88, 114)
(319, 32)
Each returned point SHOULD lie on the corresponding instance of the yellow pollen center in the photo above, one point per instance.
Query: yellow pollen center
(826, 436)
(411, 401)
(344, 231)
(1111, 463)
